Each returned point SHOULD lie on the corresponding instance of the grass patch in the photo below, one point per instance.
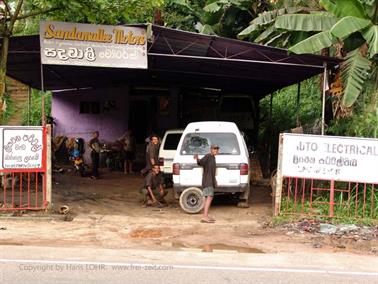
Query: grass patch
(348, 209)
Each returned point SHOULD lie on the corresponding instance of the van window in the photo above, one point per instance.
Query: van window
(199, 143)
(171, 141)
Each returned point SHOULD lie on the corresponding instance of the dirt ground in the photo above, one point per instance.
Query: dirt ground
(106, 213)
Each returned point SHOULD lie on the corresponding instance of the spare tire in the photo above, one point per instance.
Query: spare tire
(192, 200)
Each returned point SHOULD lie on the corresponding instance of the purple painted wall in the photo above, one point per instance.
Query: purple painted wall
(71, 123)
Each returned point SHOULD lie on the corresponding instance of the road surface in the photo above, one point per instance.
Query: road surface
(24, 264)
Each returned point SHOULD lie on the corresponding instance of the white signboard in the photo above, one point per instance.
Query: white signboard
(93, 45)
(21, 147)
(330, 157)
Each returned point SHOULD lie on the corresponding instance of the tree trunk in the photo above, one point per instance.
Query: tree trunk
(3, 72)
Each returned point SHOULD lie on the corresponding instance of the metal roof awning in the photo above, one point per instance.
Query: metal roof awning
(176, 58)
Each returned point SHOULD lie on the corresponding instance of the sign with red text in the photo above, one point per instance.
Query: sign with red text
(22, 147)
(330, 157)
(93, 45)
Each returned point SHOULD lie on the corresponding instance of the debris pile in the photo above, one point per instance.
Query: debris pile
(319, 228)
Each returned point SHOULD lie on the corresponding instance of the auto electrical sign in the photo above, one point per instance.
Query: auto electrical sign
(22, 148)
(93, 45)
(330, 157)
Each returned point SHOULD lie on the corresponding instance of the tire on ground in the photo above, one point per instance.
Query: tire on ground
(192, 200)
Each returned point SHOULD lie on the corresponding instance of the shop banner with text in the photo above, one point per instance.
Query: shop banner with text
(93, 45)
(330, 157)
(22, 148)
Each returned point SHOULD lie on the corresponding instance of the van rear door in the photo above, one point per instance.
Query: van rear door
(228, 160)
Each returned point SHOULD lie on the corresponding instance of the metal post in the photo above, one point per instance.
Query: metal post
(43, 96)
(270, 133)
(29, 102)
(278, 190)
(332, 199)
(48, 167)
(324, 96)
(298, 98)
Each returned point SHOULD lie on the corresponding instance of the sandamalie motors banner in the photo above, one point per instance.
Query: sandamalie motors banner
(93, 45)
(21, 148)
(330, 157)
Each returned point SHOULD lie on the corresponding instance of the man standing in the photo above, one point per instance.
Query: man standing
(129, 147)
(153, 188)
(94, 144)
(208, 180)
(153, 152)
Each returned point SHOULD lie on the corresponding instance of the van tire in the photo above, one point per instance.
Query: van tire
(243, 199)
(192, 200)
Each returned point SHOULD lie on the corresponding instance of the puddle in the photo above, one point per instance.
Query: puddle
(218, 247)
(10, 244)
(145, 233)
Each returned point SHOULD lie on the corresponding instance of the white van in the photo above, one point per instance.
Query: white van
(168, 149)
(232, 174)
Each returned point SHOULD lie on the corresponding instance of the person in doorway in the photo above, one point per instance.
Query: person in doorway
(208, 180)
(152, 191)
(129, 147)
(152, 153)
(94, 144)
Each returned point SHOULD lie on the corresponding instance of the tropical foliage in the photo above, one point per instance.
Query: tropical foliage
(220, 17)
(352, 24)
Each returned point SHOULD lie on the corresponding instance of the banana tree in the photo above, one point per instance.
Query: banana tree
(353, 24)
(262, 29)
(216, 17)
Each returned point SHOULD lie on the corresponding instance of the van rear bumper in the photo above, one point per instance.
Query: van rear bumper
(178, 188)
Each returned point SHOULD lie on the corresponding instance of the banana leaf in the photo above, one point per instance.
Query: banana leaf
(371, 37)
(354, 75)
(343, 8)
(349, 25)
(305, 22)
(314, 43)
(247, 31)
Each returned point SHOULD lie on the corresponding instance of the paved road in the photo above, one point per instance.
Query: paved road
(82, 265)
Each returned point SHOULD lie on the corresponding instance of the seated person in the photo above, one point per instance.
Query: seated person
(152, 192)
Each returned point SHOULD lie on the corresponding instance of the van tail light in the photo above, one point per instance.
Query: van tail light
(244, 169)
(176, 169)
(161, 161)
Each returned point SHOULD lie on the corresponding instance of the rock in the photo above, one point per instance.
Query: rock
(341, 246)
(317, 245)
(347, 228)
(327, 229)
(374, 250)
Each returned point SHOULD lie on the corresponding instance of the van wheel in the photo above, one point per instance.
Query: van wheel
(191, 200)
(243, 199)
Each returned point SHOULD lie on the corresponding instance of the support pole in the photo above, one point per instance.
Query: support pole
(298, 104)
(43, 97)
(324, 96)
(277, 194)
(48, 168)
(29, 103)
(270, 134)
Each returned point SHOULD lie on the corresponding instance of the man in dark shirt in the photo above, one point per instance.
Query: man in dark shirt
(153, 188)
(153, 152)
(94, 144)
(208, 180)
